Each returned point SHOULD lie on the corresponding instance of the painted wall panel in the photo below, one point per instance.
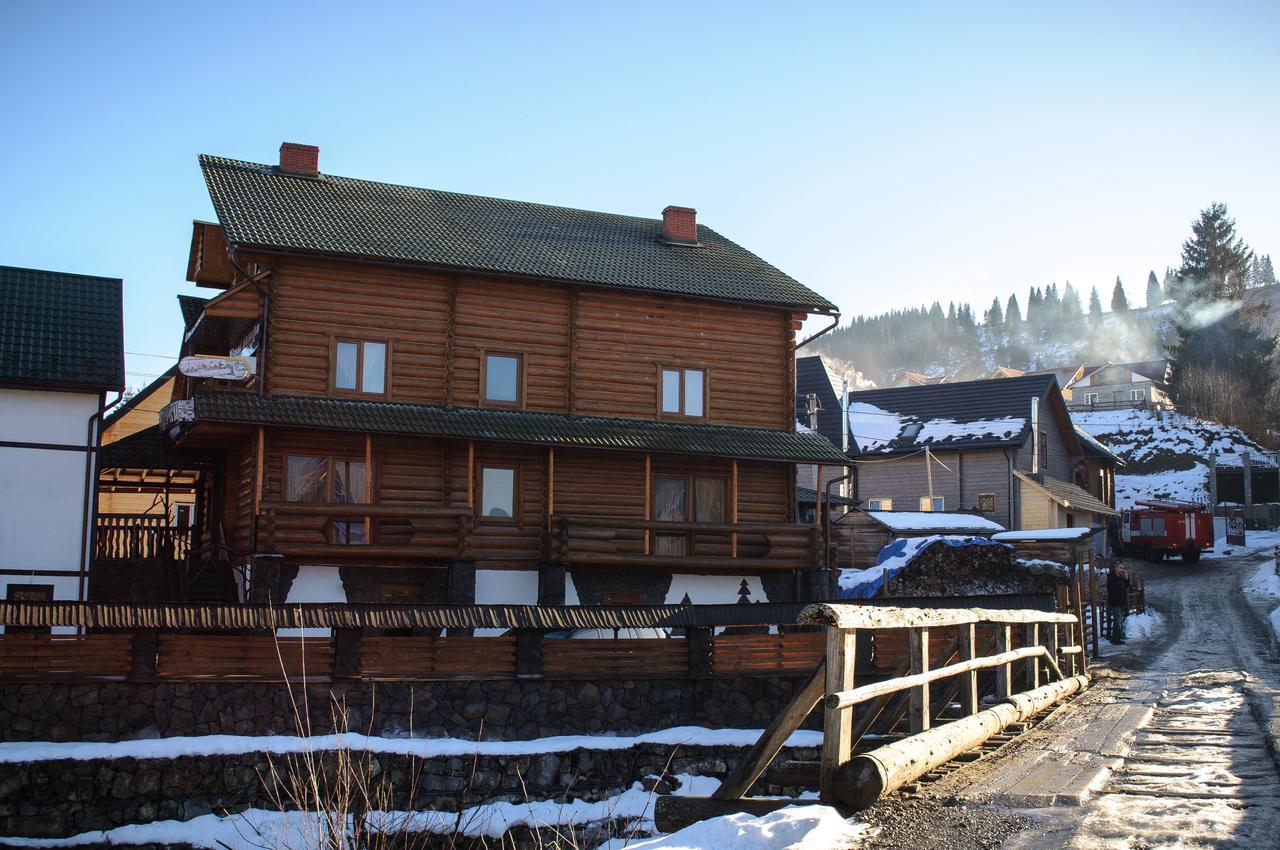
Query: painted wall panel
(30, 416)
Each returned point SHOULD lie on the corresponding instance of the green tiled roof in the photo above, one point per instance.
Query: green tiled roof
(146, 449)
(258, 205)
(513, 426)
(191, 306)
(62, 330)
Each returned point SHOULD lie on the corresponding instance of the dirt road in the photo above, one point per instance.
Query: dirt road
(1198, 773)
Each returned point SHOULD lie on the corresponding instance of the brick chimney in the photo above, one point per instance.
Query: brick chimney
(300, 159)
(680, 225)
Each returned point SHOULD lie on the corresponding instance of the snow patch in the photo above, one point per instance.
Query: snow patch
(792, 828)
(933, 521)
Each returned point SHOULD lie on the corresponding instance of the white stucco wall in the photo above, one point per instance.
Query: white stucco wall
(314, 584)
(505, 587)
(28, 416)
(42, 509)
(63, 588)
(712, 590)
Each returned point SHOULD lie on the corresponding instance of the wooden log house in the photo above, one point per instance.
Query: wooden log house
(454, 398)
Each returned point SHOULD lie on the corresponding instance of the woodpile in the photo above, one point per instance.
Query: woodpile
(975, 569)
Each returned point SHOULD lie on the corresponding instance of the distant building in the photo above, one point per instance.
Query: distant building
(820, 398)
(916, 379)
(1121, 385)
(61, 352)
(1065, 375)
(1005, 450)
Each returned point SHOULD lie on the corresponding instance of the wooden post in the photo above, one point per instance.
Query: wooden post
(1093, 602)
(837, 724)
(817, 497)
(368, 485)
(1051, 643)
(144, 648)
(471, 473)
(701, 652)
(920, 711)
(1031, 637)
(551, 484)
(733, 508)
(528, 653)
(968, 635)
(258, 466)
(1004, 673)
(1078, 601)
(648, 498)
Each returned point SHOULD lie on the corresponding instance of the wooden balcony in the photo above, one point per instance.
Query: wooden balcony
(682, 545)
(140, 537)
(313, 530)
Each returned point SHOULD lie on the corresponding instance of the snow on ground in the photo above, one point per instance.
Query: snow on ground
(792, 828)
(1145, 626)
(209, 745)
(1255, 541)
(1264, 585)
(1178, 485)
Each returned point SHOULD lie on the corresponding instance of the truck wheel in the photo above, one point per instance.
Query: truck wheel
(1190, 556)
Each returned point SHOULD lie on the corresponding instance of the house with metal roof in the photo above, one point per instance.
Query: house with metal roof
(419, 395)
(821, 390)
(1004, 449)
(1114, 386)
(61, 353)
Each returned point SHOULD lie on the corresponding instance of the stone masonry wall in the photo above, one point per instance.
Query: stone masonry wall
(491, 710)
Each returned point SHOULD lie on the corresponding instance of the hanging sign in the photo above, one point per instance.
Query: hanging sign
(217, 368)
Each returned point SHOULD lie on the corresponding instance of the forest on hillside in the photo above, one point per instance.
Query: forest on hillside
(1048, 327)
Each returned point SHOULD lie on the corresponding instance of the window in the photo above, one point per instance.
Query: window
(683, 392)
(1092, 398)
(322, 479)
(879, 504)
(502, 379)
(349, 532)
(671, 504)
(932, 503)
(1137, 395)
(360, 366)
(986, 503)
(1044, 452)
(497, 493)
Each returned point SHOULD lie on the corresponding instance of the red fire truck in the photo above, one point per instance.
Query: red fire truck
(1156, 530)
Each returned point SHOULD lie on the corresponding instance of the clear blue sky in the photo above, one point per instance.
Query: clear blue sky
(884, 154)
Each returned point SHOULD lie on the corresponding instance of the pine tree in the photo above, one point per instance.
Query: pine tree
(1119, 301)
(1095, 306)
(1261, 272)
(994, 317)
(1013, 316)
(1155, 295)
(1215, 261)
(1071, 323)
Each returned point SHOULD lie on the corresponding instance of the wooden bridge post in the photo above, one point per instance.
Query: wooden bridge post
(837, 724)
(968, 635)
(1031, 637)
(918, 652)
(1051, 644)
(1004, 673)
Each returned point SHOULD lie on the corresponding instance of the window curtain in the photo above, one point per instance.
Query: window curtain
(306, 479)
(708, 501)
(669, 500)
(348, 481)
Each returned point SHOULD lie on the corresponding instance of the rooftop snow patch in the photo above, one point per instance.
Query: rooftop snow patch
(1078, 533)
(933, 521)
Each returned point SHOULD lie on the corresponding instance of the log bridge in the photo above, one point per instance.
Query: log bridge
(1049, 666)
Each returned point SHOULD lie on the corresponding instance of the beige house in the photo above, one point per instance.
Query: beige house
(1005, 450)
(1120, 385)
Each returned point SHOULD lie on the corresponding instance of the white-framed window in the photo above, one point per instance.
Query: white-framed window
(879, 504)
(1137, 395)
(683, 392)
(498, 493)
(932, 503)
(1092, 398)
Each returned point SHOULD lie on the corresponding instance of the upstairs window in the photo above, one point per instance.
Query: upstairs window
(930, 504)
(987, 503)
(360, 366)
(683, 392)
(879, 504)
(502, 379)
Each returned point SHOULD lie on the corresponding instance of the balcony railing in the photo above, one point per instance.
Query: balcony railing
(638, 542)
(140, 537)
(310, 530)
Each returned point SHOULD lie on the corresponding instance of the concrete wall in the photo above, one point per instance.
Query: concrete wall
(42, 489)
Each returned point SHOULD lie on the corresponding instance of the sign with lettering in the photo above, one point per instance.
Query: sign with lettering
(217, 368)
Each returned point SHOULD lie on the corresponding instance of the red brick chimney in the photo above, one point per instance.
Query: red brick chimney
(300, 159)
(680, 224)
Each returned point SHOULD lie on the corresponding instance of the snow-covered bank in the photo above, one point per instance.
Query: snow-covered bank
(1264, 586)
(211, 745)
(1255, 541)
(793, 828)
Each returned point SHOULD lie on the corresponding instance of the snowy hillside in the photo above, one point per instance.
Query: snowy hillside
(1166, 456)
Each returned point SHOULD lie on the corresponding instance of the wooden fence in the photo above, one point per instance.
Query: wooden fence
(140, 537)
(151, 655)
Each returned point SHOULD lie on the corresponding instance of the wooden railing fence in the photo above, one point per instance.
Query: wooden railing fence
(630, 542)
(140, 537)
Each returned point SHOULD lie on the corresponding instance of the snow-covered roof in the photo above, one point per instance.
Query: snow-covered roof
(1078, 533)
(934, 521)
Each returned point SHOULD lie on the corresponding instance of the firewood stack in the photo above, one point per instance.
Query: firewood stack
(974, 569)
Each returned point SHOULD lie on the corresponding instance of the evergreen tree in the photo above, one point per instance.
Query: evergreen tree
(994, 317)
(1155, 295)
(1215, 261)
(1261, 272)
(1119, 301)
(1095, 307)
(1071, 323)
(1013, 316)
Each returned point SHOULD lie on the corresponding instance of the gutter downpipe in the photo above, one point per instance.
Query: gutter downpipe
(825, 507)
(835, 320)
(92, 469)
